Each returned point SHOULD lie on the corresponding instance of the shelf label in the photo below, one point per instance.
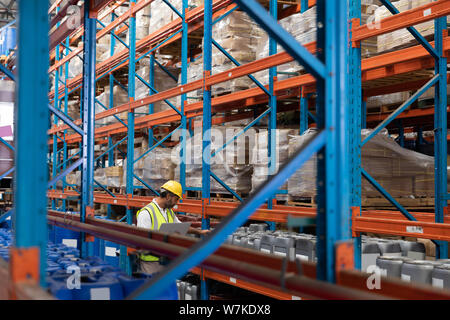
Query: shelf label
(414, 229)
(115, 201)
(427, 12)
(70, 242)
(233, 280)
(100, 294)
(406, 277)
(438, 283)
(296, 298)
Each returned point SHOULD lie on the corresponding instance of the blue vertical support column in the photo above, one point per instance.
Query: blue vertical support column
(272, 130)
(111, 161)
(440, 134)
(184, 64)
(333, 214)
(55, 119)
(66, 106)
(124, 259)
(364, 113)
(356, 108)
(88, 118)
(31, 118)
(206, 142)
(151, 106)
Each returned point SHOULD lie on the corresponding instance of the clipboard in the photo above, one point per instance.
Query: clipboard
(181, 228)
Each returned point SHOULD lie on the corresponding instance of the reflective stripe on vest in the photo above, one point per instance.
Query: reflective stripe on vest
(156, 216)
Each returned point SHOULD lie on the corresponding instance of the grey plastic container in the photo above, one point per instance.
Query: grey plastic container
(390, 248)
(391, 266)
(181, 286)
(418, 271)
(267, 242)
(440, 277)
(305, 249)
(191, 292)
(369, 254)
(257, 244)
(284, 247)
(256, 227)
(413, 250)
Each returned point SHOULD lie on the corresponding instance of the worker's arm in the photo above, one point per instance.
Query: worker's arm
(198, 231)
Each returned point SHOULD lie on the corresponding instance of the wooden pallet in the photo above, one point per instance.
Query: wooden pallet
(416, 203)
(302, 202)
(397, 79)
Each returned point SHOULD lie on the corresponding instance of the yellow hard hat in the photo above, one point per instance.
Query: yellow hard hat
(174, 187)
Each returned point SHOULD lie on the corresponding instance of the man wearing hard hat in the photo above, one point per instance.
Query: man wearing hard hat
(159, 211)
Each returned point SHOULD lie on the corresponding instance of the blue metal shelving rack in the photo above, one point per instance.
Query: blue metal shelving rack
(337, 69)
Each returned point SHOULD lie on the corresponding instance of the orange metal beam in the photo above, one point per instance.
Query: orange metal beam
(263, 290)
(402, 20)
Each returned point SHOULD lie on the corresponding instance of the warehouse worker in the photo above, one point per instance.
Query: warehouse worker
(159, 211)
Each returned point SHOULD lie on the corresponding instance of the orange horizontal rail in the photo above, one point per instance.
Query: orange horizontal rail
(417, 229)
(263, 290)
(402, 20)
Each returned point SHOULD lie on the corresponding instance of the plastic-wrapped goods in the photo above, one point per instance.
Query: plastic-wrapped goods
(194, 72)
(368, 8)
(100, 176)
(239, 35)
(429, 94)
(400, 171)
(114, 176)
(401, 37)
(162, 82)
(120, 97)
(74, 178)
(155, 168)
(302, 26)
(231, 165)
(388, 99)
(260, 159)
(160, 15)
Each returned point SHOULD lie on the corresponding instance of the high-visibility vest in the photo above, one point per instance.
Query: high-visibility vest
(157, 219)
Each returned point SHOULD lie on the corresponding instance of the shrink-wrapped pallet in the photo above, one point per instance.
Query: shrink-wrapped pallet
(402, 37)
(260, 158)
(388, 99)
(162, 82)
(302, 26)
(100, 177)
(114, 176)
(120, 97)
(231, 165)
(239, 35)
(401, 172)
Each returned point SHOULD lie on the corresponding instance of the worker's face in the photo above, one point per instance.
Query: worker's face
(171, 201)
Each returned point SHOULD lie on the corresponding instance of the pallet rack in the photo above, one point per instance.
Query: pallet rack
(340, 167)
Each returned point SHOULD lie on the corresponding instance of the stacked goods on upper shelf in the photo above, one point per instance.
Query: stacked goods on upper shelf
(402, 38)
(231, 165)
(120, 97)
(194, 72)
(260, 156)
(161, 14)
(401, 172)
(239, 35)
(388, 99)
(368, 8)
(163, 80)
(302, 26)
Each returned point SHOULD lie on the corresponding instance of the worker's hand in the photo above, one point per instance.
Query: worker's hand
(203, 232)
